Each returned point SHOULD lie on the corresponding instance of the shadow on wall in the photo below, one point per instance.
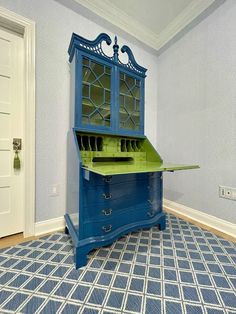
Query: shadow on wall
(174, 196)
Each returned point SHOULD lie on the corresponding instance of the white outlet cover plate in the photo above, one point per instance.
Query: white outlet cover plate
(227, 192)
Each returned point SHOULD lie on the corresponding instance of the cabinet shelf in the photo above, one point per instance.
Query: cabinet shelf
(130, 96)
(85, 102)
(108, 89)
(96, 85)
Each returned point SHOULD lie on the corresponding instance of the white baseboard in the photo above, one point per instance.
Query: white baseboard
(48, 226)
(212, 223)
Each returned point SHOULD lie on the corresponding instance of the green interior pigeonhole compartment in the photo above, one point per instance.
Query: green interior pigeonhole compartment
(112, 155)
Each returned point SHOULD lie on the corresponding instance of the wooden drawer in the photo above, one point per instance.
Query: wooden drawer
(98, 213)
(108, 214)
(111, 208)
(93, 179)
(122, 218)
(125, 192)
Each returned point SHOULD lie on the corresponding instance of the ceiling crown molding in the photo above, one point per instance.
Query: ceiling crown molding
(120, 19)
(184, 19)
(109, 12)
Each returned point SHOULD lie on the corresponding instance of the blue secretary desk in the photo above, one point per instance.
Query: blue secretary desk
(114, 174)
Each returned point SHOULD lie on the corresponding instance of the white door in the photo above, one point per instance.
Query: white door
(11, 126)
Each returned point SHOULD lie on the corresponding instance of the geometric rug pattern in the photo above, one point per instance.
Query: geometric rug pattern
(183, 269)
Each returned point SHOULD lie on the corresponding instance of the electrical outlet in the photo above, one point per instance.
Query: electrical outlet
(227, 192)
(54, 190)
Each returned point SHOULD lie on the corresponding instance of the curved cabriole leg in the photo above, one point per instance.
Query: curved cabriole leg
(162, 223)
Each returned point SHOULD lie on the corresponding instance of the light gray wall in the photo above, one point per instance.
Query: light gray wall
(196, 117)
(54, 26)
(195, 108)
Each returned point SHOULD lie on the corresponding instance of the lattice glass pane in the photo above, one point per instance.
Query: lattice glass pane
(107, 96)
(85, 88)
(85, 120)
(130, 81)
(129, 103)
(86, 61)
(122, 101)
(88, 75)
(107, 70)
(105, 80)
(130, 124)
(87, 107)
(124, 88)
(124, 117)
(97, 68)
(136, 92)
(96, 93)
(129, 111)
(104, 112)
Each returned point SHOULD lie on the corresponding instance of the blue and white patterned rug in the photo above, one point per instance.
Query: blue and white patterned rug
(181, 270)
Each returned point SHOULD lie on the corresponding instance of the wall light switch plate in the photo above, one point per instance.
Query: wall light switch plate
(222, 191)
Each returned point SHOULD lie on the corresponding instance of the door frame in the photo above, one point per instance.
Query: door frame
(26, 28)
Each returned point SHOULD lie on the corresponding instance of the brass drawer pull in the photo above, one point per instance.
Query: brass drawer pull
(107, 196)
(107, 212)
(107, 228)
(107, 179)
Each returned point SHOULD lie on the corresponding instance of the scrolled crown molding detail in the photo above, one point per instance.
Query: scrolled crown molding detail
(95, 47)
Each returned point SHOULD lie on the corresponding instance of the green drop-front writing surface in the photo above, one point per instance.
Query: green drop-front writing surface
(116, 168)
(111, 155)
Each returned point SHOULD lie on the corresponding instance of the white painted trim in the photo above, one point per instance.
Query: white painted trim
(106, 10)
(49, 226)
(114, 15)
(183, 20)
(26, 27)
(211, 222)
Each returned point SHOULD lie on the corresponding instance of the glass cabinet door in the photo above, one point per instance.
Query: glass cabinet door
(129, 103)
(96, 93)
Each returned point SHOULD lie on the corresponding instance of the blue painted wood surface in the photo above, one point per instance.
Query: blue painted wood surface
(101, 209)
(80, 48)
